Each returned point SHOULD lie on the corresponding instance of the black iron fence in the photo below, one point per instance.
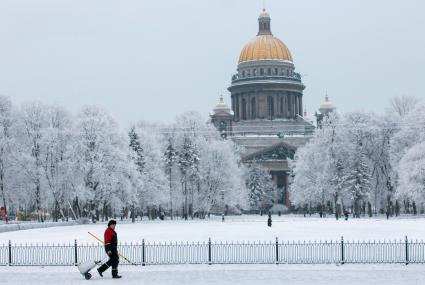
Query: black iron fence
(274, 252)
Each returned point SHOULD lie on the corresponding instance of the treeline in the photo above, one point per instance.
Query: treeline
(364, 163)
(85, 166)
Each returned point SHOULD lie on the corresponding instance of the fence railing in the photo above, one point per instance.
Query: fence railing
(269, 252)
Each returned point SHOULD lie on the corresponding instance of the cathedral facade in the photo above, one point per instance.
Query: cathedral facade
(266, 115)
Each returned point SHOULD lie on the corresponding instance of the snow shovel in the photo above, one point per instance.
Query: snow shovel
(86, 266)
(101, 241)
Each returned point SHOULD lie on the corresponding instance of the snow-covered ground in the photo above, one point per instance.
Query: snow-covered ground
(243, 228)
(225, 274)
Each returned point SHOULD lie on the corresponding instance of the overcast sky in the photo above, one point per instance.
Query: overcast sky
(152, 60)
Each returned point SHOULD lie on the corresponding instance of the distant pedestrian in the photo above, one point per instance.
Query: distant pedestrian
(346, 215)
(111, 244)
(269, 220)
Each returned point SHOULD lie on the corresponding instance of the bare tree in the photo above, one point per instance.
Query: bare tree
(402, 105)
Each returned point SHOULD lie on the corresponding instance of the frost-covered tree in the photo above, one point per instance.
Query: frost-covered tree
(221, 178)
(409, 132)
(7, 167)
(312, 171)
(407, 143)
(136, 148)
(188, 162)
(137, 157)
(153, 192)
(56, 144)
(31, 130)
(170, 158)
(403, 105)
(261, 188)
(100, 156)
(358, 181)
(411, 173)
(334, 166)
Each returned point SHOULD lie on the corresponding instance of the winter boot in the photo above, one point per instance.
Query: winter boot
(101, 269)
(115, 274)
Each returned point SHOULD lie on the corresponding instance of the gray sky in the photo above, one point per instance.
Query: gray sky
(152, 60)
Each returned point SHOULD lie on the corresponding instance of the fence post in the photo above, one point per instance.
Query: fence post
(10, 253)
(406, 242)
(342, 250)
(143, 252)
(75, 253)
(277, 251)
(209, 251)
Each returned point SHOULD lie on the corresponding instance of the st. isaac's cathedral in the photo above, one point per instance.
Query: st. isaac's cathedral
(266, 117)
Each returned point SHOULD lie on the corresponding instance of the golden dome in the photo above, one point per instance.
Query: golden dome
(265, 47)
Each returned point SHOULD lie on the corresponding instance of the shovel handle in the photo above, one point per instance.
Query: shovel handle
(101, 241)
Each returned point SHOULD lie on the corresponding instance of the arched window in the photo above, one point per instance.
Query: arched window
(269, 71)
(270, 107)
(243, 73)
(253, 108)
(261, 71)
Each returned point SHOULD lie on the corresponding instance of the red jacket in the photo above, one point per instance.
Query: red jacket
(111, 239)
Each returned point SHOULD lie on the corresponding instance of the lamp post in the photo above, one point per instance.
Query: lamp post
(222, 203)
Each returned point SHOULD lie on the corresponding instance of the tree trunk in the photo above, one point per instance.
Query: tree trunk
(2, 191)
(336, 206)
(171, 195)
(133, 214)
(38, 200)
(185, 201)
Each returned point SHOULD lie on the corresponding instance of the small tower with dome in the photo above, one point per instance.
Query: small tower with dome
(324, 110)
(222, 118)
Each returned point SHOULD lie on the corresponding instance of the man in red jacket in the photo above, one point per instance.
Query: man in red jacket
(111, 243)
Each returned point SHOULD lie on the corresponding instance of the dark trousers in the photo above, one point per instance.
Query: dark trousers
(112, 262)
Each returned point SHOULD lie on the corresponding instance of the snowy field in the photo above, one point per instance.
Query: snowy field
(225, 274)
(243, 228)
(234, 228)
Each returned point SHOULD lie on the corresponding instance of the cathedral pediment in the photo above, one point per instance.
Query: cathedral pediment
(279, 151)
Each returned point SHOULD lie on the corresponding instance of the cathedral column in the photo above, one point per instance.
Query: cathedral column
(248, 106)
(301, 105)
(256, 105)
(240, 106)
(275, 177)
(236, 107)
(286, 198)
(233, 103)
(296, 105)
(275, 106)
(291, 107)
